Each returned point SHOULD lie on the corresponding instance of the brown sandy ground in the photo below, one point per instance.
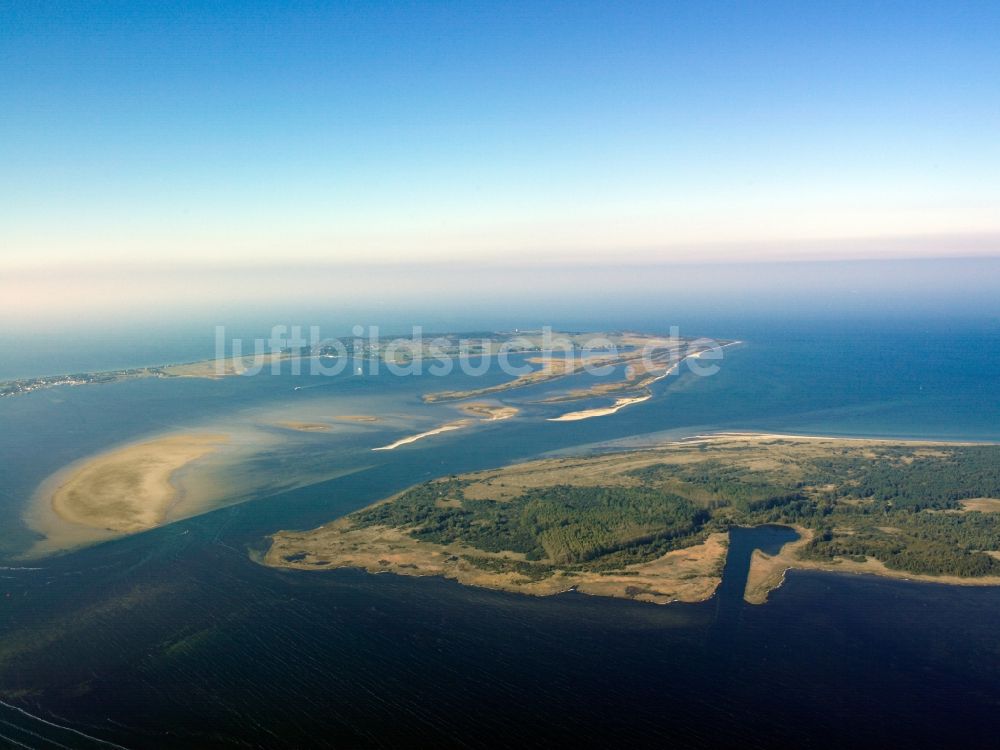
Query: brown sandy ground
(305, 426)
(690, 574)
(130, 489)
(489, 412)
(629, 351)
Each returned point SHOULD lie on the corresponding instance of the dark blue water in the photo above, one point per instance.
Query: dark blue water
(191, 645)
(742, 543)
(177, 638)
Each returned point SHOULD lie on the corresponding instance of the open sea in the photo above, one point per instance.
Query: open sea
(178, 638)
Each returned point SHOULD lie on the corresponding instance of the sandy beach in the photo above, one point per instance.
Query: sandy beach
(420, 436)
(215, 369)
(619, 404)
(130, 489)
(624, 401)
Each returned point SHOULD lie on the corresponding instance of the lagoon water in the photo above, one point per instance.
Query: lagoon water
(176, 637)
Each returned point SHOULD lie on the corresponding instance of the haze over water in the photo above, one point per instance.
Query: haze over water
(177, 318)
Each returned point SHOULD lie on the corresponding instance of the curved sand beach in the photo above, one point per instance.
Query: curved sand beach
(457, 425)
(130, 489)
(487, 413)
(620, 403)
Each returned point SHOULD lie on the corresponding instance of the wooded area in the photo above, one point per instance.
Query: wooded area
(897, 504)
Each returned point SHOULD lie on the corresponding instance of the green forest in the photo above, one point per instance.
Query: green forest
(899, 505)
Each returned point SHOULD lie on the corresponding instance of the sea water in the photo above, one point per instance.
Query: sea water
(177, 637)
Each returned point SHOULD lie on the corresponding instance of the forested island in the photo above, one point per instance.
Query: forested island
(652, 524)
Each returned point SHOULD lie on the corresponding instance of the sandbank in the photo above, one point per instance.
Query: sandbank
(305, 426)
(619, 404)
(457, 425)
(130, 489)
(490, 412)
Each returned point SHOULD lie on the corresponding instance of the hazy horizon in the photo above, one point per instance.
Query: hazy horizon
(109, 318)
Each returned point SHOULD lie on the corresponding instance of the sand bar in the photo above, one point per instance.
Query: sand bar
(457, 425)
(304, 426)
(489, 412)
(130, 489)
(618, 405)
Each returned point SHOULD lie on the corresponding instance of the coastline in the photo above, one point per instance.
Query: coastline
(768, 572)
(624, 401)
(552, 370)
(69, 509)
(152, 482)
(691, 574)
(378, 547)
(485, 412)
(763, 436)
(618, 405)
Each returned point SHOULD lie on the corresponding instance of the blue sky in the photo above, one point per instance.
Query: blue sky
(249, 133)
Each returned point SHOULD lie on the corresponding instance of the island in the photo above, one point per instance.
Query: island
(639, 359)
(131, 488)
(209, 369)
(652, 524)
(643, 359)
